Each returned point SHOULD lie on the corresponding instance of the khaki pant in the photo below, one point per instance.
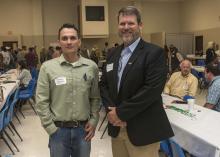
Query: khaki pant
(122, 147)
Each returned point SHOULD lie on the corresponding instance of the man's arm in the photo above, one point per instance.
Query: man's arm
(43, 101)
(155, 78)
(193, 87)
(210, 106)
(94, 99)
(94, 107)
(168, 85)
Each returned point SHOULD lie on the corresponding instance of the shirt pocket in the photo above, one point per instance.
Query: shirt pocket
(84, 82)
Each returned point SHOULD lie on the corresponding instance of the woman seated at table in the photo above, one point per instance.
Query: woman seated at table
(24, 74)
(2, 65)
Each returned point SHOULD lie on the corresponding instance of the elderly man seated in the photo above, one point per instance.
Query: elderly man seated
(212, 74)
(183, 82)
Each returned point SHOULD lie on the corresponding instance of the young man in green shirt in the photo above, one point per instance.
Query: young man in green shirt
(68, 98)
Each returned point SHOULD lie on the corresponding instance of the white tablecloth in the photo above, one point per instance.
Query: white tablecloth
(194, 57)
(199, 68)
(8, 87)
(200, 135)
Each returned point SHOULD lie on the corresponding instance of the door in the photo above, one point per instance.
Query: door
(199, 43)
(12, 44)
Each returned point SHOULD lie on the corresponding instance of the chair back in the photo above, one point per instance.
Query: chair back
(200, 62)
(34, 73)
(4, 112)
(29, 91)
(30, 86)
(195, 73)
(2, 115)
(171, 148)
(165, 148)
(177, 151)
(10, 113)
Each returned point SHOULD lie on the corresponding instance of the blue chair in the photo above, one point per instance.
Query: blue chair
(176, 149)
(27, 95)
(3, 114)
(165, 148)
(195, 73)
(200, 62)
(186, 97)
(10, 113)
(171, 148)
(34, 73)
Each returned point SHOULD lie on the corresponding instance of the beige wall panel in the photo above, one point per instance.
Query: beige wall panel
(58, 12)
(50, 39)
(16, 16)
(91, 29)
(160, 17)
(199, 15)
(114, 7)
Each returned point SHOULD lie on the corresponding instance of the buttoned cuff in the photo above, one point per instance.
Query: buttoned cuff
(51, 129)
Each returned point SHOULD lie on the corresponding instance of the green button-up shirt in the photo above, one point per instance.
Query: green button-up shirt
(67, 91)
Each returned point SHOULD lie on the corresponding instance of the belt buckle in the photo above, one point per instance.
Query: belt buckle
(76, 124)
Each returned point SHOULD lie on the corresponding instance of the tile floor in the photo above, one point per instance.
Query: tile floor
(36, 139)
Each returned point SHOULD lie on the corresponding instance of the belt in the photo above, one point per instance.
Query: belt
(70, 124)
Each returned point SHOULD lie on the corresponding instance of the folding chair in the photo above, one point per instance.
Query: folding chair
(10, 113)
(171, 148)
(27, 95)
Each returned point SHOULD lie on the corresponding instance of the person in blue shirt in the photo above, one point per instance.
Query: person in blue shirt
(212, 75)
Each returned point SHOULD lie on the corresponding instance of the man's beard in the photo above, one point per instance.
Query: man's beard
(130, 38)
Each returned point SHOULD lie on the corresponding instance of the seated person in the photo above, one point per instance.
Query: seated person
(212, 75)
(2, 65)
(24, 74)
(183, 82)
(210, 53)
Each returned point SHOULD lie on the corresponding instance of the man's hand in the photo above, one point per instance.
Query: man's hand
(90, 130)
(114, 119)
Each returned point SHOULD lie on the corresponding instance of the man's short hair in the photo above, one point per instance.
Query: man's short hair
(68, 25)
(214, 68)
(130, 10)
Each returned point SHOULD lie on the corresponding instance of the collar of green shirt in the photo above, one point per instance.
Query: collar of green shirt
(80, 62)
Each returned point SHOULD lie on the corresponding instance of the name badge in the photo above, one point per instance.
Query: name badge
(109, 67)
(60, 80)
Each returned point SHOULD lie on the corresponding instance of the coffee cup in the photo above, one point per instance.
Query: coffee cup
(191, 103)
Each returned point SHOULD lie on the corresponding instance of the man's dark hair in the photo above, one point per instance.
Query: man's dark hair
(68, 25)
(130, 10)
(214, 68)
(58, 48)
(23, 64)
(3, 48)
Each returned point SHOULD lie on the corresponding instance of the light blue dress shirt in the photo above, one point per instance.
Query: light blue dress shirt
(125, 55)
